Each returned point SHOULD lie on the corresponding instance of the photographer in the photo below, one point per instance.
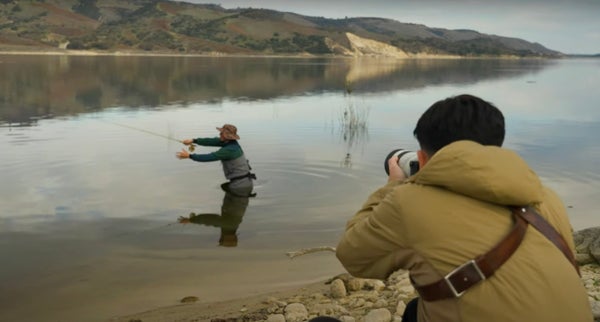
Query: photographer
(450, 223)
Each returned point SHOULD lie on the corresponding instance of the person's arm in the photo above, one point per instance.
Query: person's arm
(204, 142)
(371, 245)
(208, 141)
(225, 153)
(228, 152)
(214, 220)
(207, 157)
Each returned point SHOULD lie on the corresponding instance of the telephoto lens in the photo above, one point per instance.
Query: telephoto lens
(407, 160)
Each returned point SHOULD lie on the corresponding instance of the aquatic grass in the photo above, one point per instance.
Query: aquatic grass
(353, 120)
(352, 124)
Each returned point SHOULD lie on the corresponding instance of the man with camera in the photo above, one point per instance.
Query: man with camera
(482, 238)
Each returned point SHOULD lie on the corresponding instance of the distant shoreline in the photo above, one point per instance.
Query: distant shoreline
(65, 52)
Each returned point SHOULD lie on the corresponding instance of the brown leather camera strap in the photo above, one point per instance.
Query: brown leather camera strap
(474, 271)
(455, 283)
(537, 221)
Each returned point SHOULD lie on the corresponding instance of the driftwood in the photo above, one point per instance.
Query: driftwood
(305, 251)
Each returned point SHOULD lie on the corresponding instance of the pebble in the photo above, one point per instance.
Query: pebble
(189, 299)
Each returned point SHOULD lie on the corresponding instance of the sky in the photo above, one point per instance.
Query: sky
(571, 27)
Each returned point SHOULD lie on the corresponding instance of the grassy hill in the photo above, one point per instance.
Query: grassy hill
(178, 27)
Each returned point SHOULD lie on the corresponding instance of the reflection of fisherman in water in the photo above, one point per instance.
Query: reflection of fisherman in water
(234, 206)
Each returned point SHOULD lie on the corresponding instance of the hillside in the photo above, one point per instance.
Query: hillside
(158, 26)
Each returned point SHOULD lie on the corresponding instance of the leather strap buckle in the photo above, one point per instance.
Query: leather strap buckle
(455, 283)
(464, 278)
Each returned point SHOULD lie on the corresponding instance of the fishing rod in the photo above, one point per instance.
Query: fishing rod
(191, 147)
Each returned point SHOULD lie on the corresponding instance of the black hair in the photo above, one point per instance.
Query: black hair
(462, 117)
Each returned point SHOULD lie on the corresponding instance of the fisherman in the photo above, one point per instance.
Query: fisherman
(235, 165)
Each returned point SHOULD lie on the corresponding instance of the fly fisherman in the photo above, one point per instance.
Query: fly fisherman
(235, 166)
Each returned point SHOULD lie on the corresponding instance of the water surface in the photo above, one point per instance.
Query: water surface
(88, 227)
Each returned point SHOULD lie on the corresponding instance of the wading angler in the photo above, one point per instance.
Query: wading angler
(235, 165)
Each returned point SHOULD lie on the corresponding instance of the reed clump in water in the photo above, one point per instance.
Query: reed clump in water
(354, 119)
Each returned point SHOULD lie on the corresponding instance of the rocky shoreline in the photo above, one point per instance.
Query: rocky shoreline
(347, 298)
(352, 299)
(359, 300)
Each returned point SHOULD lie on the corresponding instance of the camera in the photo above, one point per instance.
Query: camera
(407, 160)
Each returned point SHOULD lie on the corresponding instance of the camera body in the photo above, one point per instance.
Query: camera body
(407, 160)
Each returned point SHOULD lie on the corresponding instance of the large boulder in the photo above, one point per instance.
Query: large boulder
(587, 245)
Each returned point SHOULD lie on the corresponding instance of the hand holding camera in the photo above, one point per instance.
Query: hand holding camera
(401, 164)
(395, 172)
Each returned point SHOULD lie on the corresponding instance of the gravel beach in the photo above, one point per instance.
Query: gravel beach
(344, 297)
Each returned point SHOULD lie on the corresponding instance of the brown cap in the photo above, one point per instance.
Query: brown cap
(229, 132)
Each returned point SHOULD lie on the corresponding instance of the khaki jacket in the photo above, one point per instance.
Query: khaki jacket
(453, 210)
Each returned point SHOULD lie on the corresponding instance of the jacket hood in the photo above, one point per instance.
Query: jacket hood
(487, 173)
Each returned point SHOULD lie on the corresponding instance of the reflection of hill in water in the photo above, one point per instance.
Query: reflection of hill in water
(38, 86)
(412, 74)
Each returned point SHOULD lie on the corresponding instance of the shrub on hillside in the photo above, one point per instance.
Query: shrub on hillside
(87, 8)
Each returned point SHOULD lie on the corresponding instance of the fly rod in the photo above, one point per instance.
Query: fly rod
(191, 147)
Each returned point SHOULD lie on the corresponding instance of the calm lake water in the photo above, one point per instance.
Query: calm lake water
(90, 199)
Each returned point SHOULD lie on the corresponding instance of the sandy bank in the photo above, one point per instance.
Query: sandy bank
(357, 299)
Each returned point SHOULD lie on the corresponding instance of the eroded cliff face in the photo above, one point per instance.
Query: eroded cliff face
(368, 47)
(364, 47)
(360, 47)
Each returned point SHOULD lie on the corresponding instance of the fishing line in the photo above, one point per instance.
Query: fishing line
(191, 147)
